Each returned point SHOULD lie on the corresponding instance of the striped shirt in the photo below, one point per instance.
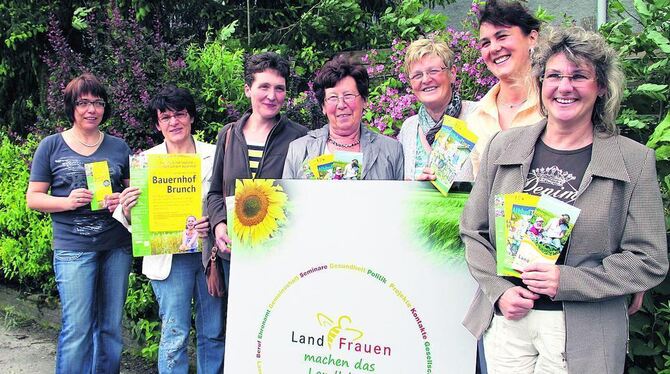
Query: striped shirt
(255, 156)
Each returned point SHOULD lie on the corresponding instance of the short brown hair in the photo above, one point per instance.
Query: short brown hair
(337, 69)
(86, 83)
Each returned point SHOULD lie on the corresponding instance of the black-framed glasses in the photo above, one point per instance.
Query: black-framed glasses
(83, 104)
(346, 98)
(179, 116)
(433, 72)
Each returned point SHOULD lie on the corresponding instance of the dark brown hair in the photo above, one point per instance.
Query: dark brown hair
(509, 13)
(86, 83)
(264, 61)
(334, 71)
(171, 98)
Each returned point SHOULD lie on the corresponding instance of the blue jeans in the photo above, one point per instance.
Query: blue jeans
(187, 282)
(92, 287)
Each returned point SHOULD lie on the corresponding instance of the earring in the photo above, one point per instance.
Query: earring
(531, 51)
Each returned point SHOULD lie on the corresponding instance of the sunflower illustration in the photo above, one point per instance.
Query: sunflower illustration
(259, 209)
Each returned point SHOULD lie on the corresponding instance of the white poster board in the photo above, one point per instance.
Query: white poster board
(347, 277)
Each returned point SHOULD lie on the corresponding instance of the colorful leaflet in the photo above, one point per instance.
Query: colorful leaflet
(98, 181)
(451, 149)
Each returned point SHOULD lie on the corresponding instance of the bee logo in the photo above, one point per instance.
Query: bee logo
(343, 328)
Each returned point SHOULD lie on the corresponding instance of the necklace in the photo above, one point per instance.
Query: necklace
(90, 145)
(357, 142)
(512, 106)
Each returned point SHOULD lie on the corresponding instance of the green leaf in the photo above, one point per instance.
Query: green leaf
(661, 134)
(661, 41)
(651, 87)
(663, 152)
(640, 348)
(657, 65)
(641, 8)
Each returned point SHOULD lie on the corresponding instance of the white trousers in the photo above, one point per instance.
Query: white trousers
(534, 344)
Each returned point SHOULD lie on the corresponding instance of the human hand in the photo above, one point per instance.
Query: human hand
(202, 226)
(636, 303)
(128, 199)
(112, 201)
(516, 302)
(222, 239)
(78, 198)
(426, 175)
(542, 278)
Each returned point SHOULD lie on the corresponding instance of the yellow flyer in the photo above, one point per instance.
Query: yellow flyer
(99, 182)
(171, 202)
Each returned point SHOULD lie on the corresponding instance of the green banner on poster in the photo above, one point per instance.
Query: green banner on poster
(347, 277)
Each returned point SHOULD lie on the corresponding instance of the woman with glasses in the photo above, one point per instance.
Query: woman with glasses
(342, 89)
(179, 280)
(507, 35)
(429, 64)
(91, 250)
(253, 147)
(571, 316)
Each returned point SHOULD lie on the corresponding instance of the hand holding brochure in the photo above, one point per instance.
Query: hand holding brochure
(451, 149)
(530, 229)
(99, 182)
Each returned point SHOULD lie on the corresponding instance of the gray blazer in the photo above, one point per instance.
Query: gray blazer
(382, 156)
(618, 244)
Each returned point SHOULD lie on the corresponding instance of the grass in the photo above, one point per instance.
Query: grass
(436, 219)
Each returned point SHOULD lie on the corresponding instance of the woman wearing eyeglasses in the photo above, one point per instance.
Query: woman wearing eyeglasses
(91, 250)
(571, 316)
(342, 89)
(429, 65)
(179, 280)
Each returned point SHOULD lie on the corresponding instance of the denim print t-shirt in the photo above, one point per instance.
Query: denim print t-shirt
(82, 229)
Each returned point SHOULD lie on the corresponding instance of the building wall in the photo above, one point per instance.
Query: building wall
(583, 13)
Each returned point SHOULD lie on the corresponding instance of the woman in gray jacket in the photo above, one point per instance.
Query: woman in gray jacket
(571, 316)
(342, 89)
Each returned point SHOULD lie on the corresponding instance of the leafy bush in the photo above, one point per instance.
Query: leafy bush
(133, 63)
(25, 237)
(641, 37)
(215, 72)
(141, 312)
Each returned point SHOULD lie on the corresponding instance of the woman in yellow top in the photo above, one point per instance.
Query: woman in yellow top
(507, 35)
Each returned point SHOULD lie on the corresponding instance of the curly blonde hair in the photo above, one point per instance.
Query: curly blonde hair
(585, 47)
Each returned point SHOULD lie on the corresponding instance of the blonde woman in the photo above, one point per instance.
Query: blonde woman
(429, 64)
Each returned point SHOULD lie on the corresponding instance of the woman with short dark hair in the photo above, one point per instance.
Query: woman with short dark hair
(91, 250)
(179, 280)
(253, 147)
(507, 36)
(342, 89)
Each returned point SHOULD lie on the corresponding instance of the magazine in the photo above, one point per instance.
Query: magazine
(450, 150)
(518, 209)
(551, 225)
(335, 166)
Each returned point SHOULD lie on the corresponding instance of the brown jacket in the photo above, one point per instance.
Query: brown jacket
(618, 244)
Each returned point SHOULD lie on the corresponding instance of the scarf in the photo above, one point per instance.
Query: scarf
(429, 126)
